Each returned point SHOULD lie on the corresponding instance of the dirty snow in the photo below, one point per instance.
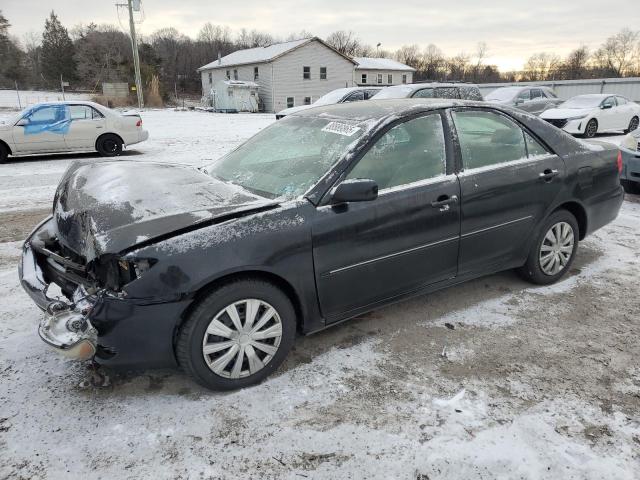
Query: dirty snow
(491, 379)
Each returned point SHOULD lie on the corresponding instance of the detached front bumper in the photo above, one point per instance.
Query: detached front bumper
(113, 329)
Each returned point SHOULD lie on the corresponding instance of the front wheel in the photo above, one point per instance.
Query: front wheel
(631, 187)
(553, 252)
(591, 129)
(109, 145)
(633, 125)
(238, 335)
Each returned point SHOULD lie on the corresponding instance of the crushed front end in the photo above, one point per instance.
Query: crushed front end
(87, 315)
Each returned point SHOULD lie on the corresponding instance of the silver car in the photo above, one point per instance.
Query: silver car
(531, 98)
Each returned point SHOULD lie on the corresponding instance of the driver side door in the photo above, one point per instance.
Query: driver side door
(370, 252)
(41, 130)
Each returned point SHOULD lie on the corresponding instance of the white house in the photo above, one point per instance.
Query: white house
(381, 72)
(288, 74)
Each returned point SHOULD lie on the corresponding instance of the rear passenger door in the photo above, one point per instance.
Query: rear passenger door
(86, 125)
(508, 181)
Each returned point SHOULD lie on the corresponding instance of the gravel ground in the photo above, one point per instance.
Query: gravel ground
(490, 379)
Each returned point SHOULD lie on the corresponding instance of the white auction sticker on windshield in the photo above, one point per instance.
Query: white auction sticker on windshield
(341, 128)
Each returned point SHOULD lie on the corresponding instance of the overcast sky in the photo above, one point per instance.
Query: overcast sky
(512, 29)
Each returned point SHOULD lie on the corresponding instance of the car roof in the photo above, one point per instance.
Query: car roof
(69, 102)
(596, 95)
(379, 109)
(418, 86)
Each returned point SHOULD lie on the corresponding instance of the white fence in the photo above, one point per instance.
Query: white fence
(565, 89)
(9, 98)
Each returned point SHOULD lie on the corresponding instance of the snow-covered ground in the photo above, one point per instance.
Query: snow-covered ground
(11, 99)
(490, 379)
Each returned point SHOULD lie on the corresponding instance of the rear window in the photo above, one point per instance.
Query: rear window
(470, 92)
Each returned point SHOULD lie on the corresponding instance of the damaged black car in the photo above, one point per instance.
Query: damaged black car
(323, 216)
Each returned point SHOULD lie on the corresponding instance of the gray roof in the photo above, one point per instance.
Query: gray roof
(263, 54)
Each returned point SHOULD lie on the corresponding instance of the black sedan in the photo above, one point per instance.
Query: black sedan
(325, 215)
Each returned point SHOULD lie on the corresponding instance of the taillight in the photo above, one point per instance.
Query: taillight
(139, 123)
(619, 161)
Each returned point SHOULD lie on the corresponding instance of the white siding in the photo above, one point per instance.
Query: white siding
(287, 74)
(372, 77)
(245, 73)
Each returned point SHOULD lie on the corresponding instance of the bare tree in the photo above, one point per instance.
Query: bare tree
(410, 55)
(433, 63)
(575, 65)
(344, 42)
(542, 66)
(620, 52)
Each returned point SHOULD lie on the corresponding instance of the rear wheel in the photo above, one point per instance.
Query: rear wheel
(4, 153)
(591, 129)
(238, 335)
(633, 124)
(553, 252)
(109, 145)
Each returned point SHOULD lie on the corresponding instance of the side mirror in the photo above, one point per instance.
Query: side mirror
(23, 122)
(606, 106)
(519, 101)
(355, 190)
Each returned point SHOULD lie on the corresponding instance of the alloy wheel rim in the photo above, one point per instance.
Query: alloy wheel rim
(592, 128)
(110, 146)
(556, 249)
(242, 338)
(634, 124)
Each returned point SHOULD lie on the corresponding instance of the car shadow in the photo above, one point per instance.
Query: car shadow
(67, 156)
(379, 326)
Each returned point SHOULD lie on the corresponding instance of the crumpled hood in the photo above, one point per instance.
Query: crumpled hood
(107, 207)
(562, 113)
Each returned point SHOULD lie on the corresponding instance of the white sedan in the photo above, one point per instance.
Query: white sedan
(587, 115)
(58, 127)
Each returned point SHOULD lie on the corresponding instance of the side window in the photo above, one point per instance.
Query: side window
(46, 115)
(621, 100)
(536, 93)
(470, 93)
(96, 114)
(355, 97)
(534, 148)
(447, 92)
(609, 101)
(524, 96)
(488, 139)
(80, 112)
(424, 93)
(550, 93)
(370, 93)
(409, 152)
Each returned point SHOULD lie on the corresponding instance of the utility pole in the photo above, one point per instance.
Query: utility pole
(136, 58)
(62, 87)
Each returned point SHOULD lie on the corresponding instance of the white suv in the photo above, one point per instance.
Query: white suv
(58, 127)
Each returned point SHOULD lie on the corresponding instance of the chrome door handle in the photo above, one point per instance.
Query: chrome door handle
(443, 202)
(548, 174)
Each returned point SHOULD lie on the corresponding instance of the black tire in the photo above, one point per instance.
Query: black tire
(633, 124)
(591, 129)
(4, 153)
(532, 270)
(189, 344)
(109, 145)
(631, 187)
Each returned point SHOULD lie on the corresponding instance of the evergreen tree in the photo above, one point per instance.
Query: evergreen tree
(57, 51)
(11, 57)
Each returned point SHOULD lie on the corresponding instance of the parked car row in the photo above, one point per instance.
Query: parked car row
(74, 126)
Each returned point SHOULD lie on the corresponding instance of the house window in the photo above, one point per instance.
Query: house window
(390, 78)
(290, 102)
(307, 100)
(255, 73)
(235, 74)
(323, 73)
(404, 78)
(379, 78)
(228, 74)
(210, 77)
(306, 73)
(364, 78)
